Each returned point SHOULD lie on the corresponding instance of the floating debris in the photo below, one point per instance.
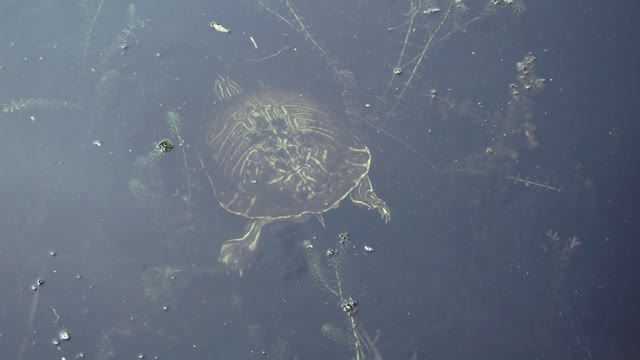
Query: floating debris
(39, 282)
(217, 27)
(349, 306)
(97, 143)
(368, 248)
(253, 41)
(64, 335)
(165, 145)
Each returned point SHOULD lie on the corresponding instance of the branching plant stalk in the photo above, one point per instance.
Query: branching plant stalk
(92, 25)
(418, 59)
(174, 125)
(359, 349)
(30, 319)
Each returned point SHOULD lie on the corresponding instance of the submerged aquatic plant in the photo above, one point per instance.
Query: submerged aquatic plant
(331, 279)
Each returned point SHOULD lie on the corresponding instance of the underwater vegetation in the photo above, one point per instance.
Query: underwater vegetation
(328, 275)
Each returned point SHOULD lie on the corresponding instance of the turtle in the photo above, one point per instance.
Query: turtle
(277, 156)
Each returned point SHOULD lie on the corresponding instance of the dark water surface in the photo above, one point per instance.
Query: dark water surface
(502, 136)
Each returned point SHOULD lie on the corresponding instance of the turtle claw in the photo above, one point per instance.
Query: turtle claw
(234, 255)
(385, 213)
(364, 195)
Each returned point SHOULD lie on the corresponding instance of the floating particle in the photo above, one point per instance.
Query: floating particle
(217, 27)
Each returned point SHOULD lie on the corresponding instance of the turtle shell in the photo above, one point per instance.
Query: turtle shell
(279, 156)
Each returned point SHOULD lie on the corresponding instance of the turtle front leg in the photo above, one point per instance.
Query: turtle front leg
(235, 252)
(364, 195)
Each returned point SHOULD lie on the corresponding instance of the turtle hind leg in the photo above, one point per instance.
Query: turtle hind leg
(364, 195)
(235, 253)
